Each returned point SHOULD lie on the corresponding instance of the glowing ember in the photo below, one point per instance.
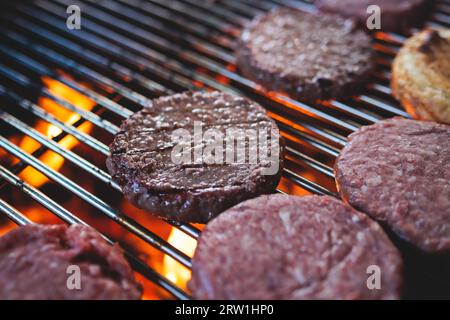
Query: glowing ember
(6, 227)
(172, 269)
(29, 145)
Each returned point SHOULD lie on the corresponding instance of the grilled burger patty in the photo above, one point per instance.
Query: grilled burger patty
(421, 75)
(35, 263)
(396, 15)
(142, 162)
(398, 172)
(308, 56)
(287, 247)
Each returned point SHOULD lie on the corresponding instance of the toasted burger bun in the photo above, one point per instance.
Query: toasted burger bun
(421, 75)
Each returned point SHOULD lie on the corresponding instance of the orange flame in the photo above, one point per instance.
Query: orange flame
(29, 145)
(6, 227)
(172, 269)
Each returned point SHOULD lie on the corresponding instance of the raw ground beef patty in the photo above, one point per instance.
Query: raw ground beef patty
(288, 247)
(142, 162)
(34, 262)
(310, 57)
(398, 172)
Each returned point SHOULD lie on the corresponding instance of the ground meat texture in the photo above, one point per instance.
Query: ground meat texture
(34, 261)
(396, 15)
(398, 172)
(307, 56)
(288, 247)
(141, 157)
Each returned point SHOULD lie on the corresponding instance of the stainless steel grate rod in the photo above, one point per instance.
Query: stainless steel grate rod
(110, 212)
(68, 217)
(143, 49)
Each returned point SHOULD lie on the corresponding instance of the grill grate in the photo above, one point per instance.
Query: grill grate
(130, 51)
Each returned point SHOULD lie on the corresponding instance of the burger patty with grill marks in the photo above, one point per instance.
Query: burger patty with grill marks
(142, 162)
(57, 262)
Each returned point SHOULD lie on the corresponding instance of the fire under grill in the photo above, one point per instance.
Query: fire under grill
(63, 94)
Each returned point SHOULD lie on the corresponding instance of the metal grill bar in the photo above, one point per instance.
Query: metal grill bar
(75, 159)
(130, 50)
(88, 115)
(35, 28)
(68, 217)
(134, 47)
(88, 140)
(44, 115)
(347, 109)
(110, 212)
(13, 214)
(52, 145)
(22, 80)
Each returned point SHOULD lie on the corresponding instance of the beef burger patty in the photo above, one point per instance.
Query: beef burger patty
(398, 172)
(142, 155)
(36, 262)
(310, 57)
(287, 247)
